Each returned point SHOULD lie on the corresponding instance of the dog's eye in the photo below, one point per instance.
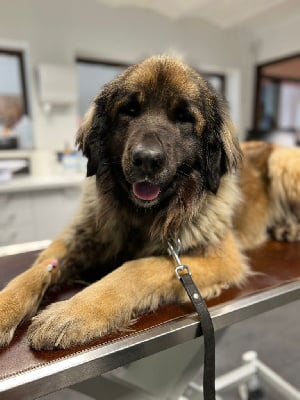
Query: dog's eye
(184, 116)
(131, 109)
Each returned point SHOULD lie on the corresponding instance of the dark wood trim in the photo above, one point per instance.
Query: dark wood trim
(24, 87)
(277, 99)
(88, 60)
(280, 80)
(20, 55)
(256, 98)
(278, 60)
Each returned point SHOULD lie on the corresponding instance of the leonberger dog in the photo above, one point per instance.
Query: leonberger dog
(164, 163)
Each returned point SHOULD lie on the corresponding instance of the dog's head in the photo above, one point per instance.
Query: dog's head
(158, 132)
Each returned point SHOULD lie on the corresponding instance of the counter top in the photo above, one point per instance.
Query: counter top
(33, 183)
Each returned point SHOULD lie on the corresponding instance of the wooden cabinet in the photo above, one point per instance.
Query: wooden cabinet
(36, 215)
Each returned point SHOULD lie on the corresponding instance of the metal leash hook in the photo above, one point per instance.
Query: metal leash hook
(174, 251)
(184, 275)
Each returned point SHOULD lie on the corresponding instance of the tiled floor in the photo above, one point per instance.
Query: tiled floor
(275, 336)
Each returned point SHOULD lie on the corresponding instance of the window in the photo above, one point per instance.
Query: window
(217, 81)
(15, 122)
(92, 75)
(277, 101)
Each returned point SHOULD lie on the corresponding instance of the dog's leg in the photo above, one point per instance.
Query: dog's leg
(21, 297)
(137, 286)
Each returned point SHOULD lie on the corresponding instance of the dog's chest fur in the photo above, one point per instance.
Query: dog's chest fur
(111, 235)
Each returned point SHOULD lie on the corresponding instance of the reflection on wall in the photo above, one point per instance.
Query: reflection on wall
(15, 124)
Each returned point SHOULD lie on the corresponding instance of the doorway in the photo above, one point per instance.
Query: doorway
(277, 101)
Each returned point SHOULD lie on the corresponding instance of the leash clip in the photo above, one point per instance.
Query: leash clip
(174, 250)
(184, 276)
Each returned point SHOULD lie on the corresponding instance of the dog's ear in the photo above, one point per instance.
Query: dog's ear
(222, 153)
(83, 141)
(90, 136)
(84, 130)
(231, 146)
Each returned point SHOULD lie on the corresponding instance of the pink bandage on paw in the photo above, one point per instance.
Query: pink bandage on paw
(52, 265)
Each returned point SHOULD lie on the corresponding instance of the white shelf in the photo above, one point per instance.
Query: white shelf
(32, 183)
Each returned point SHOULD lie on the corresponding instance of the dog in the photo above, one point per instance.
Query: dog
(164, 162)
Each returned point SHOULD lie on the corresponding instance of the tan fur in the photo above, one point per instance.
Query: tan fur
(110, 304)
(270, 183)
(20, 299)
(258, 196)
(251, 217)
(284, 213)
(178, 76)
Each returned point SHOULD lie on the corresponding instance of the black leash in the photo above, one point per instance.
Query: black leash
(184, 275)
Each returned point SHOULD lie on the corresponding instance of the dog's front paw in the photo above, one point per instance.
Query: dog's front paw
(289, 232)
(10, 316)
(65, 324)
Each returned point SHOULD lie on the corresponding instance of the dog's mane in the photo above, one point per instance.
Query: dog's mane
(201, 223)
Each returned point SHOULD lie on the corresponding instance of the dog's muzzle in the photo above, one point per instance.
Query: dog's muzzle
(148, 160)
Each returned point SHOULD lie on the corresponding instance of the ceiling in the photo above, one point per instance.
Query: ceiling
(225, 14)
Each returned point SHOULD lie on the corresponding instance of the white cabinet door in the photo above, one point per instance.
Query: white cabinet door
(36, 215)
(52, 210)
(16, 218)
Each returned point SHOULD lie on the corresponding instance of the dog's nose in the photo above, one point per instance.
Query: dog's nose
(148, 159)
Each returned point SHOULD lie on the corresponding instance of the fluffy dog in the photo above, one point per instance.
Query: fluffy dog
(163, 162)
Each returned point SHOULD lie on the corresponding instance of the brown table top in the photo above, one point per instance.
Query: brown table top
(278, 262)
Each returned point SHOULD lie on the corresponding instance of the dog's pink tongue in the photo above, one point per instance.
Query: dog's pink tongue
(146, 190)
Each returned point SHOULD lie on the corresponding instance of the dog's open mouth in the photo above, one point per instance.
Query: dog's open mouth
(146, 191)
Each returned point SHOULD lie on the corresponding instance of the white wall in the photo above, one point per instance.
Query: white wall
(268, 42)
(280, 41)
(59, 30)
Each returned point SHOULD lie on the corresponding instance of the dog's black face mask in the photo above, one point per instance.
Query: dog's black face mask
(152, 135)
(156, 151)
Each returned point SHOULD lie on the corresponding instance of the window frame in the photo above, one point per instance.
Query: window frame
(204, 73)
(220, 76)
(21, 56)
(257, 92)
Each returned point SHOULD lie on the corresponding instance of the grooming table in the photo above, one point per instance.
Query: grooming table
(27, 374)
